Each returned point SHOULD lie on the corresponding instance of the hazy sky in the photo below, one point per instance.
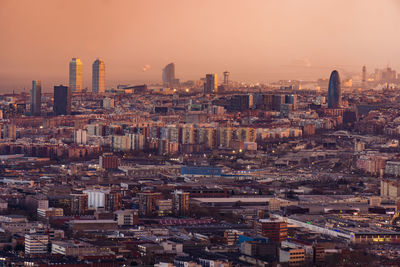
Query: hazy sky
(256, 40)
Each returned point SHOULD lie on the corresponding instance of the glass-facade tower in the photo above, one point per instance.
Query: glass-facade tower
(62, 100)
(75, 75)
(36, 98)
(98, 76)
(334, 91)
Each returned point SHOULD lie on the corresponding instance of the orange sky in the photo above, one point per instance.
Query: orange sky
(256, 40)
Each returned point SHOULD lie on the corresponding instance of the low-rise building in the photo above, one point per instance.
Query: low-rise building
(392, 168)
(293, 256)
(390, 189)
(49, 212)
(232, 236)
(127, 217)
(73, 248)
(36, 244)
(89, 225)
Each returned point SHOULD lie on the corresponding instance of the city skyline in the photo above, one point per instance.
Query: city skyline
(381, 77)
(220, 133)
(240, 45)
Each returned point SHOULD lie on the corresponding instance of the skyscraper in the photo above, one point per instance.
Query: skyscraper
(36, 96)
(98, 76)
(334, 91)
(226, 77)
(364, 77)
(75, 75)
(62, 100)
(364, 74)
(168, 74)
(211, 84)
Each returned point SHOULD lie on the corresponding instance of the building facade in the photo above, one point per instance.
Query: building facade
(36, 98)
(36, 244)
(334, 91)
(275, 230)
(168, 75)
(180, 202)
(98, 76)
(211, 84)
(62, 100)
(75, 75)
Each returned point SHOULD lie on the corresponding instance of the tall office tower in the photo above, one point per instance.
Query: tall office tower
(364, 74)
(211, 84)
(334, 91)
(98, 76)
(168, 74)
(364, 77)
(36, 96)
(226, 77)
(75, 75)
(62, 100)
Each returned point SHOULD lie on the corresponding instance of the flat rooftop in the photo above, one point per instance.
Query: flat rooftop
(236, 199)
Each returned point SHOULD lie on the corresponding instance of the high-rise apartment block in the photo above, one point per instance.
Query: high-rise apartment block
(275, 230)
(148, 202)
(79, 204)
(180, 202)
(211, 84)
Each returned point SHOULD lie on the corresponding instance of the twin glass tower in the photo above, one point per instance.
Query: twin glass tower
(98, 76)
(75, 75)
